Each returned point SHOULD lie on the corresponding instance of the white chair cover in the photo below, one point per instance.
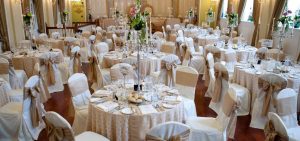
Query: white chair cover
(43, 36)
(79, 89)
(74, 59)
(186, 81)
(101, 49)
(210, 74)
(215, 129)
(60, 129)
(168, 47)
(168, 131)
(168, 72)
(269, 86)
(17, 78)
(55, 35)
(286, 107)
(118, 71)
(48, 60)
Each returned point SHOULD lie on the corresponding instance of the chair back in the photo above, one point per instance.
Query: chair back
(58, 128)
(173, 131)
(86, 34)
(221, 84)
(276, 127)
(79, 89)
(227, 116)
(270, 85)
(168, 47)
(176, 26)
(186, 81)
(4, 69)
(121, 70)
(32, 107)
(276, 54)
(286, 107)
(261, 52)
(159, 34)
(4, 89)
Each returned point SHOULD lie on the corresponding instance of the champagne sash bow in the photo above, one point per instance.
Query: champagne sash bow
(59, 134)
(76, 63)
(271, 134)
(261, 55)
(171, 73)
(35, 105)
(270, 83)
(4, 68)
(220, 73)
(92, 69)
(184, 136)
(50, 71)
(230, 108)
(206, 74)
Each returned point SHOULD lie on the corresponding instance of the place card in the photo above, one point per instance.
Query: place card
(108, 106)
(147, 109)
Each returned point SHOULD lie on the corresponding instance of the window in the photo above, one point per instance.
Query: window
(224, 8)
(293, 5)
(248, 11)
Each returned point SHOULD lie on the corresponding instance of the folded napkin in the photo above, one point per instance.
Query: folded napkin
(172, 98)
(173, 91)
(102, 93)
(95, 99)
(147, 109)
(108, 106)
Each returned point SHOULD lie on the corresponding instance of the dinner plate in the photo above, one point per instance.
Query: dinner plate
(168, 106)
(127, 111)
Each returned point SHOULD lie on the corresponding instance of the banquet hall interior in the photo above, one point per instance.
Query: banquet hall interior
(153, 70)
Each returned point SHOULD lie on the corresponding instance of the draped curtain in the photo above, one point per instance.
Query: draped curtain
(54, 7)
(241, 7)
(256, 18)
(278, 9)
(230, 6)
(39, 13)
(219, 11)
(3, 28)
(25, 5)
(184, 6)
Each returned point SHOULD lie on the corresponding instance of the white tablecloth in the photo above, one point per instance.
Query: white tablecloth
(120, 127)
(248, 78)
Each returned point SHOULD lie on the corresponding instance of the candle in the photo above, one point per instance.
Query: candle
(150, 26)
(273, 24)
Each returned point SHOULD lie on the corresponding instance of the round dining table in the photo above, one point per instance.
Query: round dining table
(107, 116)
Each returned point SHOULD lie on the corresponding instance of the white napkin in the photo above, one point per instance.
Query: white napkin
(102, 93)
(108, 106)
(172, 98)
(147, 109)
(95, 99)
(173, 91)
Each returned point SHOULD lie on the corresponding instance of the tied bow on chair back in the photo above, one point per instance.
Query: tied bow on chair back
(35, 106)
(171, 73)
(50, 71)
(59, 134)
(270, 83)
(183, 53)
(184, 136)
(271, 134)
(4, 67)
(229, 107)
(221, 73)
(92, 69)
(44, 92)
(76, 63)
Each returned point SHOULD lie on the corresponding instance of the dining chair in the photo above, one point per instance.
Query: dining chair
(23, 120)
(81, 94)
(169, 131)
(58, 128)
(269, 85)
(286, 107)
(275, 128)
(216, 129)
(186, 81)
(17, 78)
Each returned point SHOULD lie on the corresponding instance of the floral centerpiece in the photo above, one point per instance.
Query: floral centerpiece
(285, 21)
(138, 20)
(190, 13)
(27, 18)
(65, 15)
(232, 19)
(297, 19)
(210, 15)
